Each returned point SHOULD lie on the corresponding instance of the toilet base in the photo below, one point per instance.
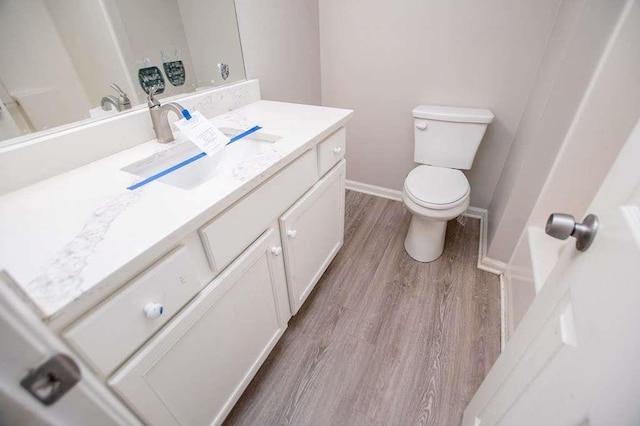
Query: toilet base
(425, 238)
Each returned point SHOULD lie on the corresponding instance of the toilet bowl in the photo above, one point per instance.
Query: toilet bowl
(446, 140)
(433, 195)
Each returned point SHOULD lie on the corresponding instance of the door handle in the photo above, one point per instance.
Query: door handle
(51, 380)
(563, 226)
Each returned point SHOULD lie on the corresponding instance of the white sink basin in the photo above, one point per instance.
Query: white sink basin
(201, 170)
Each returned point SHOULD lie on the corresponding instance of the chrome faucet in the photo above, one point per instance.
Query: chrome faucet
(120, 103)
(159, 116)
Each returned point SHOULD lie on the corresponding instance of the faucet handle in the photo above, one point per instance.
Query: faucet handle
(151, 100)
(118, 89)
(124, 99)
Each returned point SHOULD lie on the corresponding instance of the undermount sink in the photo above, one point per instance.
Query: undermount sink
(206, 167)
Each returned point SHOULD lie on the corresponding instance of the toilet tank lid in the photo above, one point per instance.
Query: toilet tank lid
(457, 114)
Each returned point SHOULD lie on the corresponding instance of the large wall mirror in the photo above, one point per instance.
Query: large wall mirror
(66, 62)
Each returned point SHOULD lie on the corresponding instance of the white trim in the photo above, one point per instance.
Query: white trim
(493, 266)
(485, 263)
(378, 191)
(476, 213)
(505, 311)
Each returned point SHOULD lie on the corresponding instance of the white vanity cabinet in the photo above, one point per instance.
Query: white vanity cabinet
(261, 258)
(312, 233)
(194, 370)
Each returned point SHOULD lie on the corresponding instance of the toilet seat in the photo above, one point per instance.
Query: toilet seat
(437, 188)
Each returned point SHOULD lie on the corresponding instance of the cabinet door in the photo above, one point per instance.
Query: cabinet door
(312, 233)
(194, 370)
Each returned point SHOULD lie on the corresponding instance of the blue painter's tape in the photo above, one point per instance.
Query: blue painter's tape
(243, 134)
(167, 171)
(189, 160)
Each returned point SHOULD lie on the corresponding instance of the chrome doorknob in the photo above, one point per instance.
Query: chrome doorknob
(563, 226)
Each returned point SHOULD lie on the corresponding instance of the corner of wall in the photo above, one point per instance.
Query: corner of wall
(485, 262)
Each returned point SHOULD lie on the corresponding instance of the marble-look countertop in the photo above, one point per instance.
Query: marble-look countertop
(63, 237)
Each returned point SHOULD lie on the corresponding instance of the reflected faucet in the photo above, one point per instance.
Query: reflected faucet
(159, 115)
(120, 103)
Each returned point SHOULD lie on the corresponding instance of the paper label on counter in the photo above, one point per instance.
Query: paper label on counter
(201, 132)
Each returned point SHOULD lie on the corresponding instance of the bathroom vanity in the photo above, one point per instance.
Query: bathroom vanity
(174, 297)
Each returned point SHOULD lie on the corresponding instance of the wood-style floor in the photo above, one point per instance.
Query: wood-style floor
(383, 339)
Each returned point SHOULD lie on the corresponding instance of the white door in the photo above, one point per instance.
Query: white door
(25, 343)
(195, 369)
(312, 232)
(575, 357)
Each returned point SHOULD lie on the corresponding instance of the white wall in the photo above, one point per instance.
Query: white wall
(579, 36)
(212, 34)
(607, 114)
(95, 54)
(383, 58)
(281, 48)
(35, 67)
(605, 119)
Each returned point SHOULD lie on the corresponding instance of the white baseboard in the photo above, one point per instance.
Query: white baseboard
(378, 191)
(493, 266)
(505, 312)
(485, 263)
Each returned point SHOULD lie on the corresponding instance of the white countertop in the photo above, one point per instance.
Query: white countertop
(63, 237)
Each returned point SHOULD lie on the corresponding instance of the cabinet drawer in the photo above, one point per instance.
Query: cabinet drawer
(117, 328)
(226, 236)
(195, 369)
(331, 150)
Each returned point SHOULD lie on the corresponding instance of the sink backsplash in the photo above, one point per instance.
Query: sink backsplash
(38, 159)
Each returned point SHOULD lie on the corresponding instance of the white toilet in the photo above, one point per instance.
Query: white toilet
(446, 140)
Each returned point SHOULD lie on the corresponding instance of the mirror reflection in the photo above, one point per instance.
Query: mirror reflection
(66, 62)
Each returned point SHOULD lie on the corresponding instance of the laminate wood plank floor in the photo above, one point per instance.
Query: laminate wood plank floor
(383, 339)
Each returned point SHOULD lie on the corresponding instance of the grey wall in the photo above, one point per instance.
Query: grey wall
(213, 37)
(281, 48)
(383, 58)
(95, 55)
(149, 26)
(36, 68)
(579, 36)
(606, 116)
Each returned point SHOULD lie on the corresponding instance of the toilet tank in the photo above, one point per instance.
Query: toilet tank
(449, 136)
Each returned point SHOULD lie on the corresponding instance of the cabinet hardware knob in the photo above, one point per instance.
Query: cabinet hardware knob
(153, 310)
(276, 251)
(291, 233)
(337, 150)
